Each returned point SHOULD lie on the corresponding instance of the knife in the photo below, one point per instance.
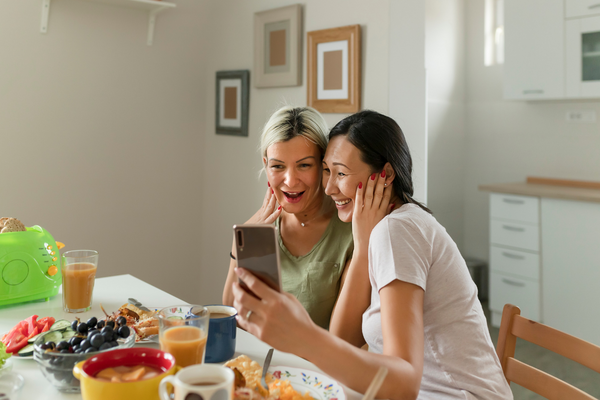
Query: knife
(137, 304)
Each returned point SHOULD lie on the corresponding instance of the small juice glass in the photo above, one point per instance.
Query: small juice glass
(183, 331)
(78, 274)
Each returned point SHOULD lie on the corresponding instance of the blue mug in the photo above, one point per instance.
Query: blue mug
(220, 345)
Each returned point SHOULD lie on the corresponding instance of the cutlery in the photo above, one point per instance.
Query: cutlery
(137, 304)
(265, 368)
(375, 384)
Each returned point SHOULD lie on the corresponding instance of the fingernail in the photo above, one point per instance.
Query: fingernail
(383, 174)
(360, 185)
(393, 205)
(373, 177)
(269, 183)
(272, 191)
(279, 208)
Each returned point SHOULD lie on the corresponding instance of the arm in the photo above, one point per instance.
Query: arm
(282, 322)
(355, 293)
(267, 214)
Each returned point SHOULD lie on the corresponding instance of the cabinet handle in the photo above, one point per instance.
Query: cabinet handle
(513, 256)
(513, 201)
(594, 6)
(513, 283)
(513, 228)
(533, 91)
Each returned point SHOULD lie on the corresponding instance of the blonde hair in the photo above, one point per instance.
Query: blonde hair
(289, 122)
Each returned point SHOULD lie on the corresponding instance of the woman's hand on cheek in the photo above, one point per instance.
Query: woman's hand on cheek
(370, 206)
(269, 211)
(277, 318)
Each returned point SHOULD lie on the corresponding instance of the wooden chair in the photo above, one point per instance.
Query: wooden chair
(514, 326)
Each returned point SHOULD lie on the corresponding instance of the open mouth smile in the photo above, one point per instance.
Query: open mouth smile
(342, 203)
(292, 197)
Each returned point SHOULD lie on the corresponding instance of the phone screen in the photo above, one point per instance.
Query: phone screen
(258, 252)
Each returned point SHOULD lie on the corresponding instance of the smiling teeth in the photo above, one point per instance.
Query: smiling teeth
(341, 203)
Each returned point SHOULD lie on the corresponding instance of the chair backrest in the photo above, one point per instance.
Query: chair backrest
(515, 326)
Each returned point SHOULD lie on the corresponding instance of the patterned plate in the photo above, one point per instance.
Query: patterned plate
(318, 385)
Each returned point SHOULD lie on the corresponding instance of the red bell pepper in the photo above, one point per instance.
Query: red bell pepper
(18, 336)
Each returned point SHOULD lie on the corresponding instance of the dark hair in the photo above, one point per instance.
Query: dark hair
(380, 140)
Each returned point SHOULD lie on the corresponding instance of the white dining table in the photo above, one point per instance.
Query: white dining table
(113, 292)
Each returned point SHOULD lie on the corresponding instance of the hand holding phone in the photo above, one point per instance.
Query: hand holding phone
(258, 252)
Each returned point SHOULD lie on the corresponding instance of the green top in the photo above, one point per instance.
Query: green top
(315, 278)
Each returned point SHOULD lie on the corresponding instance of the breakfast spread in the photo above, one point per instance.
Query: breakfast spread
(248, 387)
(8, 224)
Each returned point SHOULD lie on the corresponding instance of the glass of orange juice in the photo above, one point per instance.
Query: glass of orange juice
(182, 331)
(78, 276)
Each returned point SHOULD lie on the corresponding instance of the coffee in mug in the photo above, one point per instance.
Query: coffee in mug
(202, 382)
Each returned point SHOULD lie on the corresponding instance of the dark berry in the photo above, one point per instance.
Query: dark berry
(97, 341)
(75, 340)
(74, 325)
(82, 328)
(121, 321)
(104, 346)
(100, 324)
(92, 322)
(90, 350)
(84, 345)
(123, 331)
(62, 346)
(114, 343)
(110, 323)
(107, 328)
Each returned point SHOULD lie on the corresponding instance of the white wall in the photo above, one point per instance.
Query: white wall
(446, 87)
(101, 135)
(510, 140)
(232, 190)
(110, 144)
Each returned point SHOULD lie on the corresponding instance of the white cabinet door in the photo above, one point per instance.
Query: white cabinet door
(534, 49)
(582, 8)
(571, 267)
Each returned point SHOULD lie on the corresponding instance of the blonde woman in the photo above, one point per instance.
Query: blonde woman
(315, 245)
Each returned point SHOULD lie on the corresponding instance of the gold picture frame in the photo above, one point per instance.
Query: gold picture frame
(278, 47)
(334, 70)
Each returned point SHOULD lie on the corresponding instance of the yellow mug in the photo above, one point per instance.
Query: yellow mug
(147, 389)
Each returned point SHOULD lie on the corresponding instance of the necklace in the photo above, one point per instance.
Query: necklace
(312, 219)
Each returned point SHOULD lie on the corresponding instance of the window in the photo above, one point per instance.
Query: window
(493, 52)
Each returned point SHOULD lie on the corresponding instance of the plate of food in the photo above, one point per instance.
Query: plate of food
(285, 383)
(144, 323)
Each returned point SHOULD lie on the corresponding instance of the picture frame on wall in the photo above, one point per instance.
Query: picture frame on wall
(232, 102)
(278, 47)
(334, 70)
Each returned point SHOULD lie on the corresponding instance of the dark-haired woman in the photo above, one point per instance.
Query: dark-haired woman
(424, 322)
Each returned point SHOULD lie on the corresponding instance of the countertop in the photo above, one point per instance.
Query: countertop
(550, 191)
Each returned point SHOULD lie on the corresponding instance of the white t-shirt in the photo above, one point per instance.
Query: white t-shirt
(459, 359)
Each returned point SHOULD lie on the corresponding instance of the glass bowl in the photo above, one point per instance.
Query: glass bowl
(58, 367)
(11, 384)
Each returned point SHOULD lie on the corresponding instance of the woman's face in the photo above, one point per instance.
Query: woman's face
(294, 171)
(343, 170)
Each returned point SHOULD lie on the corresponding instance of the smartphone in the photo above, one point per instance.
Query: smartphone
(258, 252)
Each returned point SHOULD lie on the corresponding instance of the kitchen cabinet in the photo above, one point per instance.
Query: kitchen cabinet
(582, 48)
(571, 258)
(514, 255)
(534, 56)
(545, 255)
(581, 8)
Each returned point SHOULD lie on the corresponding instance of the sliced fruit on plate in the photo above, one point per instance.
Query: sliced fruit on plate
(19, 335)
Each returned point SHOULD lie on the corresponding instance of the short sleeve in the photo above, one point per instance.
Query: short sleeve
(398, 249)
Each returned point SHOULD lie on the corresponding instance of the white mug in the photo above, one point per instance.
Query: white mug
(200, 382)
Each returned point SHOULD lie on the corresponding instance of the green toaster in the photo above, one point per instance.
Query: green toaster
(29, 266)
